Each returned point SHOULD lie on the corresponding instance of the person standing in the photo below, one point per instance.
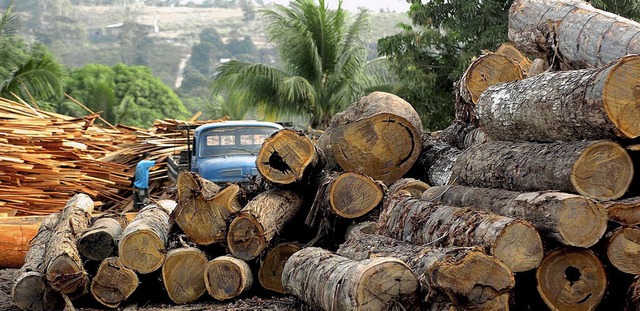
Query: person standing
(141, 181)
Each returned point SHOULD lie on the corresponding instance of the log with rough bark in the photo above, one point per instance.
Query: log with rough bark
(568, 105)
(379, 135)
(436, 161)
(30, 290)
(623, 249)
(463, 275)
(571, 219)
(572, 32)
(365, 227)
(65, 272)
(101, 240)
(597, 169)
(333, 282)
(625, 212)
(270, 272)
(227, 277)
(633, 296)
(287, 157)
(183, 274)
(204, 208)
(414, 186)
(260, 220)
(487, 70)
(512, 52)
(514, 241)
(143, 243)
(571, 279)
(113, 283)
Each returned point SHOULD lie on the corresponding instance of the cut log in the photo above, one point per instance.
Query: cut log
(113, 283)
(183, 274)
(143, 243)
(366, 227)
(287, 157)
(512, 52)
(597, 169)
(623, 250)
(204, 209)
(567, 105)
(499, 304)
(270, 272)
(413, 186)
(487, 70)
(348, 194)
(463, 275)
(572, 31)
(30, 290)
(633, 296)
(538, 66)
(227, 277)
(571, 279)
(379, 136)
(625, 212)
(333, 282)
(572, 220)
(436, 161)
(65, 272)
(515, 242)
(15, 234)
(260, 220)
(101, 240)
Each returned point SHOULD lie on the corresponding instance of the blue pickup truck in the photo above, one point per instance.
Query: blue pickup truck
(223, 151)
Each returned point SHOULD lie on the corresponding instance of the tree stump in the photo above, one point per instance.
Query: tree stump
(270, 272)
(113, 283)
(623, 250)
(227, 277)
(101, 240)
(183, 274)
(287, 157)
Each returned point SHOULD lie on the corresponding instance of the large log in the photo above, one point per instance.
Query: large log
(333, 282)
(101, 240)
(569, 105)
(436, 161)
(15, 234)
(143, 243)
(270, 272)
(379, 135)
(485, 71)
(183, 274)
(113, 283)
(65, 272)
(625, 212)
(515, 242)
(598, 169)
(571, 279)
(463, 275)
(571, 31)
(571, 219)
(512, 52)
(347, 194)
(227, 277)
(623, 249)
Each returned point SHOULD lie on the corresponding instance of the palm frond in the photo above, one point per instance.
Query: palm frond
(40, 78)
(9, 22)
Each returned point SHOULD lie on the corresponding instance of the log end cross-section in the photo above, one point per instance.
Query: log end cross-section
(113, 283)
(286, 157)
(183, 274)
(519, 246)
(270, 272)
(622, 95)
(487, 70)
(624, 250)
(352, 195)
(227, 277)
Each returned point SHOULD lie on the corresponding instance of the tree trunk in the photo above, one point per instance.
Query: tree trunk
(623, 250)
(113, 283)
(515, 242)
(436, 162)
(101, 240)
(570, 219)
(598, 169)
(143, 243)
(30, 290)
(204, 209)
(463, 275)
(485, 71)
(567, 105)
(287, 157)
(65, 272)
(227, 277)
(333, 282)
(625, 212)
(579, 34)
(270, 272)
(183, 274)
(413, 186)
(259, 221)
(512, 52)
(633, 296)
(571, 279)
(379, 136)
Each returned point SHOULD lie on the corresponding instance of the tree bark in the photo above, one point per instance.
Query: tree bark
(378, 136)
(462, 275)
(101, 240)
(333, 282)
(365, 227)
(571, 279)
(413, 186)
(270, 272)
(436, 161)
(113, 283)
(260, 220)
(515, 242)
(485, 71)
(570, 219)
(183, 274)
(143, 243)
(568, 105)
(598, 169)
(572, 32)
(625, 212)
(623, 250)
(227, 277)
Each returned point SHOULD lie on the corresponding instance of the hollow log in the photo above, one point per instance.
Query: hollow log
(101, 240)
(572, 220)
(571, 31)
(287, 157)
(333, 282)
(633, 296)
(625, 212)
(571, 279)
(65, 272)
(567, 105)
(485, 71)
(270, 272)
(514, 241)
(183, 274)
(143, 243)
(512, 52)
(623, 250)
(227, 277)
(260, 220)
(113, 283)
(379, 135)
(413, 186)
(463, 275)
(597, 169)
(30, 290)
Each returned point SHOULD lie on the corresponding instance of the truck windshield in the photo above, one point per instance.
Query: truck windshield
(230, 141)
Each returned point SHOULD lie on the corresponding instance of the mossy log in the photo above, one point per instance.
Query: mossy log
(270, 272)
(623, 249)
(485, 71)
(227, 277)
(183, 274)
(101, 240)
(113, 283)
(625, 212)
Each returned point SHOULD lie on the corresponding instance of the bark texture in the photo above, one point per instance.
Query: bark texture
(183, 274)
(485, 71)
(270, 272)
(623, 250)
(227, 277)
(101, 240)
(113, 283)
(436, 161)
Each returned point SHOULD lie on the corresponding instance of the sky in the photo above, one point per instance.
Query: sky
(373, 5)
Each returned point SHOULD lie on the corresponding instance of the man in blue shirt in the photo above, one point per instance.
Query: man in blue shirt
(141, 181)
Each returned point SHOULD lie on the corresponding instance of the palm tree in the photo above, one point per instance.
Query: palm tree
(323, 60)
